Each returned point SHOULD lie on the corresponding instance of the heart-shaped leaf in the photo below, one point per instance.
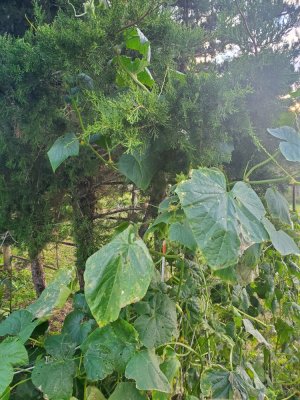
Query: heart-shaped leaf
(117, 275)
(138, 168)
(64, 147)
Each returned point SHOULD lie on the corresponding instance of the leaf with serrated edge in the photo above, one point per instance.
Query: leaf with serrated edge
(109, 349)
(224, 223)
(55, 378)
(117, 275)
(159, 324)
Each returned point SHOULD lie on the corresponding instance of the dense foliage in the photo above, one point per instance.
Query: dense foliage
(194, 294)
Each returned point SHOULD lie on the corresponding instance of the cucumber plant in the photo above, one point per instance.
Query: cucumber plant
(212, 315)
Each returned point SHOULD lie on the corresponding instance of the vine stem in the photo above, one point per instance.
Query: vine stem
(78, 113)
(250, 317)
(182, 345)
(261, 164)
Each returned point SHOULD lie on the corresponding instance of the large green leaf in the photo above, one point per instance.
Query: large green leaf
(144, 369)
(20, 324)
(77, 327)
(12, 353)
(64, 147)
(158, 324)
(290, 148)
(138, 168)
(6, 376)
(60, 346)
(54, 376)
(181, 232)
(127, 390)
(54, 296)
(224, 223)
(278, 206)
(281, 240)
(117, 275)
(109, 349)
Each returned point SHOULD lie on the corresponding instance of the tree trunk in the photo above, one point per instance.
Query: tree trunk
(7, 257)
(38, 275)
(157, 194)
(84, 200)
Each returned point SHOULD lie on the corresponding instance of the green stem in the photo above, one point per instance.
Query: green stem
(78, 113)
(182, 345)
(275, 180)
(109, 164)
(170, 256)
(261, 164)
(250, 317)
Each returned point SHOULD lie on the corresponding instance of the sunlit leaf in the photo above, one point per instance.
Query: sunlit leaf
(290, 147)
(117, 275)
(281, 240)
(278, 206)
(54, 296)
(224, 223)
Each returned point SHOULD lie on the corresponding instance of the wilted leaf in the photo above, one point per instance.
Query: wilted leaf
(93, 393)
(254, 332)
